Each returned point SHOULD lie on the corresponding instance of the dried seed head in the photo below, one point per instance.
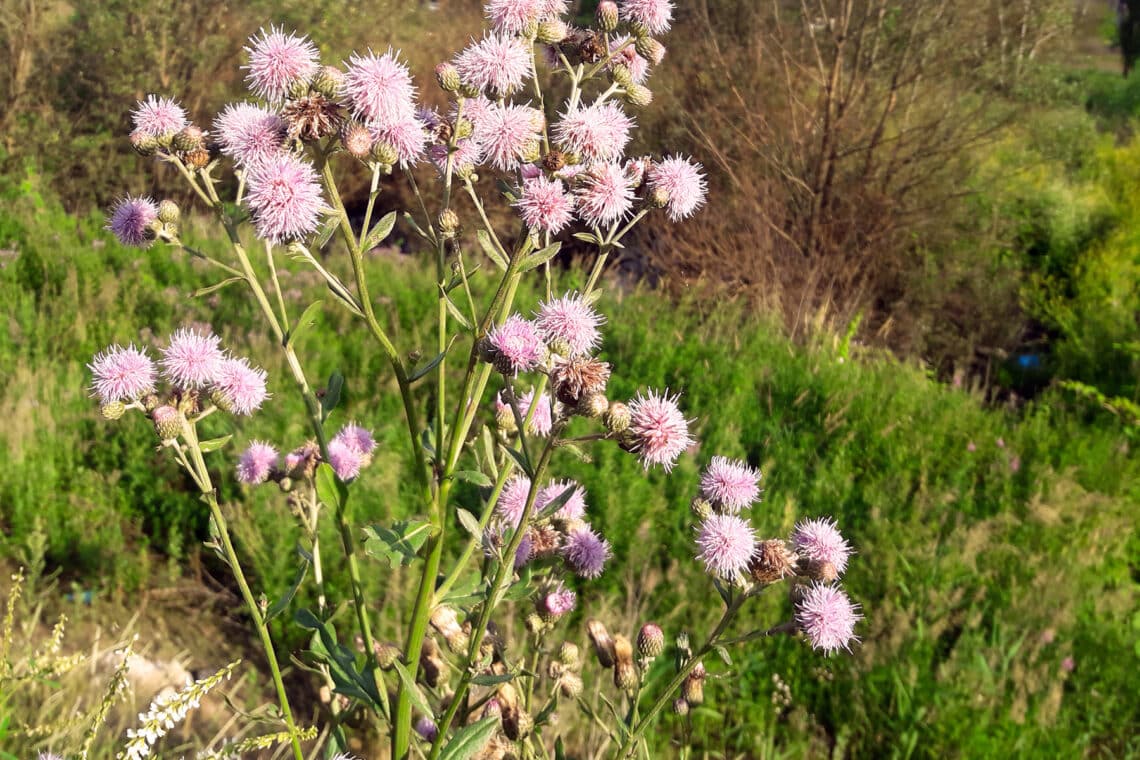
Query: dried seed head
(693, 689)
(197, 159)
(593, 405)
(591, 48)
(445, 620)
(312, 117)
(773, 561)
(545, 541)
(603, 644)
(573, 378)
(433, 669)
(387, 653)
(448, 223)
(517, 725)
(625, 673)
(570, 685)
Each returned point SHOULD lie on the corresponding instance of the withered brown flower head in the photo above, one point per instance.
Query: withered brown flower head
(773, 561)
(312, 117)
(573, 378)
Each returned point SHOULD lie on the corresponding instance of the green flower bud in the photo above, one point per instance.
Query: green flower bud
(168, 212)
(649, 49)
(299, 88)
(607, 15)
(144, 144)
(638, 95)
(113, 410)
(384, 153)
(617, 417)
(448, 77)
(552, 31)
(168, 422)
(329, 82)
(188, 139)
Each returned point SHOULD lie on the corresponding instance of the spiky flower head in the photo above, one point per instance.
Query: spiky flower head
(726, 545)
(655, 15)
(553, 8)
(819, 542)
(241, 387)
(827, 616)
(513, 16)
(192, 359)
(541, 417)
(517, 345)
(249, 134)
(574, 508)
(158, 117)
(379, 88)
(407, 136)
(512, 500)
(121, 374)
(682, 183)
(730, 484)
(467, 155)
(498, 64)
(131, 220)
(284, 198)
(586, 552)
(604, 195)
(357, 139)
(658, 429)
(256, 462)
(650, 640)
(557, 602)
(346, 460)
(625, 55)
(357, 437)
(509, 135)
(570, 323)
(544, 205)
(278, 62)
(598, 132)
(168, 422)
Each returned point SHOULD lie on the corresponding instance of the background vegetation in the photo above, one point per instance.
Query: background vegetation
(913, 302)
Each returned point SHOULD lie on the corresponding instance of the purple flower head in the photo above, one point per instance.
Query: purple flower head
(604, 195)
(552, 8)
(285, 198)
(256, 462)
(627, 56)
(819, 540)
(498, 64)
(557, 602)
(346, 460)
(596, 133)
(572, 321)
(358, 438)
(277, 61)
(476, 110)
(426, 729)
(192, 360)
(726, 544)
(683, 184)
(540, 423)
(241, 386)
(828, 617)
(158, 117)
(130, 221)
(121, 374)
(586, 552)
(249, 134)
(654, 15)
(524, 552)
(468, 154)
(730, 484)
(512, 500)
(507, 133)
(573, 509)
(517, 343)
(660, 431)
(406, 135)
(544, 205)
(513, 16)
(379, 88)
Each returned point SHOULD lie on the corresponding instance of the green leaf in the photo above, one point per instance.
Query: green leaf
(540, 257)
(470, 739)
(520, 460)
(431, 364)
(473, 476)
(469, 523)
(489, 450)
(308, 318)
(305, 618)
(379, 231)
(398, 545)
(491, 679)
(491, 250)
(214, 443)
(330, 490)
(411, 221)
(215, 287)
(281, 604)
(468, 589)
(587, 237)
(414, 692)
(455, 313)
(558, 502)
(326, 231)
(332, 393)
(723, 654)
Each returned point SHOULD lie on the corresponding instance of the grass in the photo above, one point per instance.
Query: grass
(992, 544)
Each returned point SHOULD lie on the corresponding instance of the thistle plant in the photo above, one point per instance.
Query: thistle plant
(538, 112)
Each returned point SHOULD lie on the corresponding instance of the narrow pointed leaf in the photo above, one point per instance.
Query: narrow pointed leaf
(492, 252)
(414, 692)
(215, 287)
(540, 257)
(379, 231)
(470, 739)
(473, 476)
(332, 393)
(469, 523)
(214, 443)
(307, 319)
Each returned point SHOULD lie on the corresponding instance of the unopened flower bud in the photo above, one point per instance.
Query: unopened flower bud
(329, 82)
(144, 143)
(464, 128)
(621, 75)
(531, 152)
(773, 561)
(285, 484)
(570, 685)
(384, 153)
(150, 402)
(658, 197)
(168, 422)
(168, 212)
(625, 673)
(603, 644)
(607, 15)
(221, 400)
(650, 49)
(617, 417)
(680, 707)
(445, 620)
(593, 405)
(535, 623)
(505, 419)
(650, 640)
(113, 410)
(448, 77)
(448, 223)
(701, 508)
(188, 138)
(357, 140)
(197, 159)
(570, 655)
(552, 31)
(299, 88)
(427, 729)
(386, 653)
(638, 96)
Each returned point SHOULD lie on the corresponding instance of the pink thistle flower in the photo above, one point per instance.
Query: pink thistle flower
(683, 184)
(241, 386)
(511, 503)
(596, 133)
(544, 205)
(727, 544)
(552, 8)
(586, 552)
(427, 729)
(530, 171)
(828, 617)
(277, 61)
(971, 447)
(513, 16)
(192, 360)
(121, 374)
(730, 484)
(572, 321)
(517, 344)
(654, 15)
(158, 117)
(819, 541)
(407, 136)
(660, 432)
(507, 133)
(468, 154)
(346, 460)
(636, 169)
(542, 420)
(250, 134)
(557, 602)
(130, 221)
(295, 457)
(524, 552)
(573, 509)
(498, 64)
(379, 88)
(1068, 664)
(284, 197)
(476, 110)
(604, 195)
(256, 462)
(627, 56)
(357, 438)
